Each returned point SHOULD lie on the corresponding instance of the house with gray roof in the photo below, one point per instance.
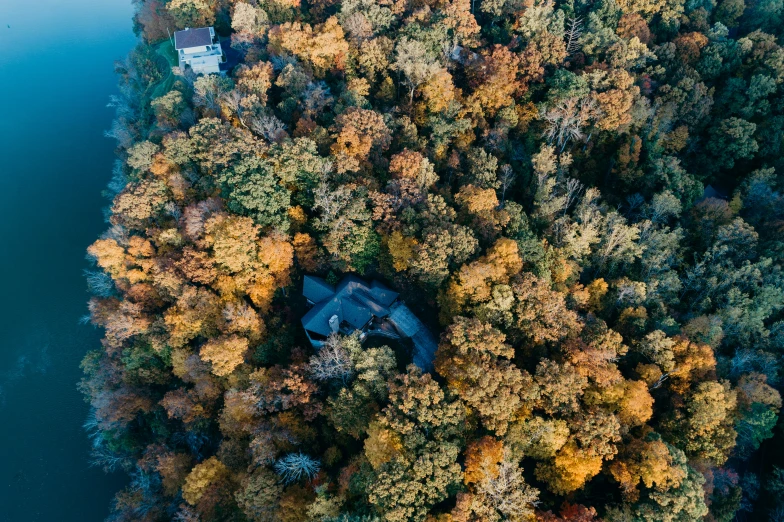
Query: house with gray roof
(199, 49)
(370, 308)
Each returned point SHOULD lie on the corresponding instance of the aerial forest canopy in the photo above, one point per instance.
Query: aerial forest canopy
(581, 198)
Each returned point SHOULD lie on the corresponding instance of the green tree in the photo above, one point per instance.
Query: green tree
(731, 140)
(429, 426)
(252, 189)
(475, 362)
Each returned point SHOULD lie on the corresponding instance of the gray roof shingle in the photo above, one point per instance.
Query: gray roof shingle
(316, 289)
(364, 297)
(425, 346)
(405, 321)
(354, 312)
(353, 301)
(192, 38)
(382, 294)
(317, 318)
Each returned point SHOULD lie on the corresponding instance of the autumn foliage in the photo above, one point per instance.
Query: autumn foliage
(581, 200)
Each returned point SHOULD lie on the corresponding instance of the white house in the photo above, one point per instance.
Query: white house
(200, 49)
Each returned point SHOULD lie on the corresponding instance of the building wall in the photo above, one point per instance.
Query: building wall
(205, 64)
(195, 50)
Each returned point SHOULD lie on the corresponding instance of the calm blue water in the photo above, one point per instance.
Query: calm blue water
(56, 75)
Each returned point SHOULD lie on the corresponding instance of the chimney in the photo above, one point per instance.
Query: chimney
(334, 323)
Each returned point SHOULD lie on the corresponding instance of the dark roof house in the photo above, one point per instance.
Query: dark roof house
(352, 301)
(188, 38)
(712, 192)
(372, 308)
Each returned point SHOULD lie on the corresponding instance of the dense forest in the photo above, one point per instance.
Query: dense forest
(581, 198)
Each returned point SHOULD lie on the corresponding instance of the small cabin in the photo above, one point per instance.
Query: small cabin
(199, 49)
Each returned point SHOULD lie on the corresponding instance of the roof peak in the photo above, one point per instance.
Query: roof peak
(353, 300)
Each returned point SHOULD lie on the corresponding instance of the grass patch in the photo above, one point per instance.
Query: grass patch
(168, 55)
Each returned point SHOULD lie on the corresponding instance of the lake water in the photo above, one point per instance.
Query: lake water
(56, 76)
